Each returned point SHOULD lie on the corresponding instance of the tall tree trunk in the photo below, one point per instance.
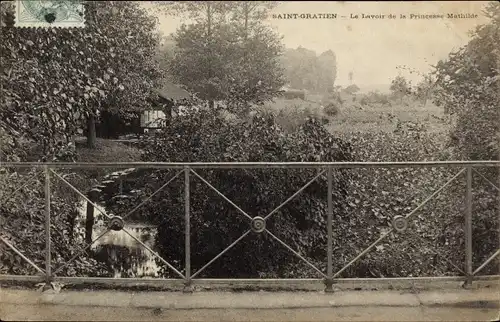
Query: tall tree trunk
(246, 9)
(209, 38)
(89, 223)
(91, 132)
(209, 20)
(106, 125)
(245, 4)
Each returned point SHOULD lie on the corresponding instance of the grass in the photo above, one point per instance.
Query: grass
(356, 118)
(106, 151)
(383, 118)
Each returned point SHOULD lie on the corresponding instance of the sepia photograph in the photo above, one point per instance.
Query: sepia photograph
(249, 160)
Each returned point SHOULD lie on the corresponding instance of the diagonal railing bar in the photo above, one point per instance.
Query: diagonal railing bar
(296, 254)
(152, 195)
(153, 252)
(20, 187)
(81, 194)
(487, 180)
(81, 251)
(486, 262)
(21, 255)
(433, 249)
(383, 236)
(296, 193)
(222, 195)
(423, 203)
(221, 253)
(368, 249)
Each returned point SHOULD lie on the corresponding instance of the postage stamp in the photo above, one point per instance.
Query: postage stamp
(50, 13)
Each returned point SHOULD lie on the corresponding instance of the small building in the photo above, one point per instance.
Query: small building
(292, 93)
(169, 95)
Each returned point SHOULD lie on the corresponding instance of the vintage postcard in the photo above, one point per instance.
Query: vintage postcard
(249, 160)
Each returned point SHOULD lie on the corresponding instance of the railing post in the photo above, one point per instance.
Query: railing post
(187, 233)
(48, 261)
(468, 229)
(329, 223)
(89, 218)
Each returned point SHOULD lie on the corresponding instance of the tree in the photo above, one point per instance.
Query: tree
(352, 89)
(400, 87)
(165, 53)
(55, 79)
(425, 89)
(327, 63)
(468, 88)
(228, 54)
(305, 70)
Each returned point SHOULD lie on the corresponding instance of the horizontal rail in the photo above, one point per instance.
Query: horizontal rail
(222, 165)
(215, 281)
(436, 282)
(189, 168)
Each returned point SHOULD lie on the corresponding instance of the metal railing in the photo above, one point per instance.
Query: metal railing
(257, 223)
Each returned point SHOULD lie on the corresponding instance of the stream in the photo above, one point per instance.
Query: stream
(125, 256)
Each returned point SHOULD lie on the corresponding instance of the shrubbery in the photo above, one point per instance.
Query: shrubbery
(376, 97)
(22, 218)
(331, 109)
(365, 200)
(376, 195)
(294, 114)
(215, 224)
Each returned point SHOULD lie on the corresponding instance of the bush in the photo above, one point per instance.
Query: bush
(215, 224)
(467, 88)
(377, 195)
(365, 201)
(22, 218)
(375, 97)
(293, 114)
(331, 109)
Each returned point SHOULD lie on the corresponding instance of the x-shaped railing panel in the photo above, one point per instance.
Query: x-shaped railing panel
(392, 229)
(257, 223)
(120, 222)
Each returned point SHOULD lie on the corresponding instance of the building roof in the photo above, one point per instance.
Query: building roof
(170, 91)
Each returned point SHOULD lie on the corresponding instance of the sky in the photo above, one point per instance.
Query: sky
(372, 48)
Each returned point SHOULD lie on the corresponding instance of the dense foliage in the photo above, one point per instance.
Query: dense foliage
(23, 225)
(377, 195)
(215, 223)
(365, 201)
(53, 79)
(468, 87)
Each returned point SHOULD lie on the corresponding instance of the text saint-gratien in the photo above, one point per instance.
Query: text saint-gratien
(304, 16)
